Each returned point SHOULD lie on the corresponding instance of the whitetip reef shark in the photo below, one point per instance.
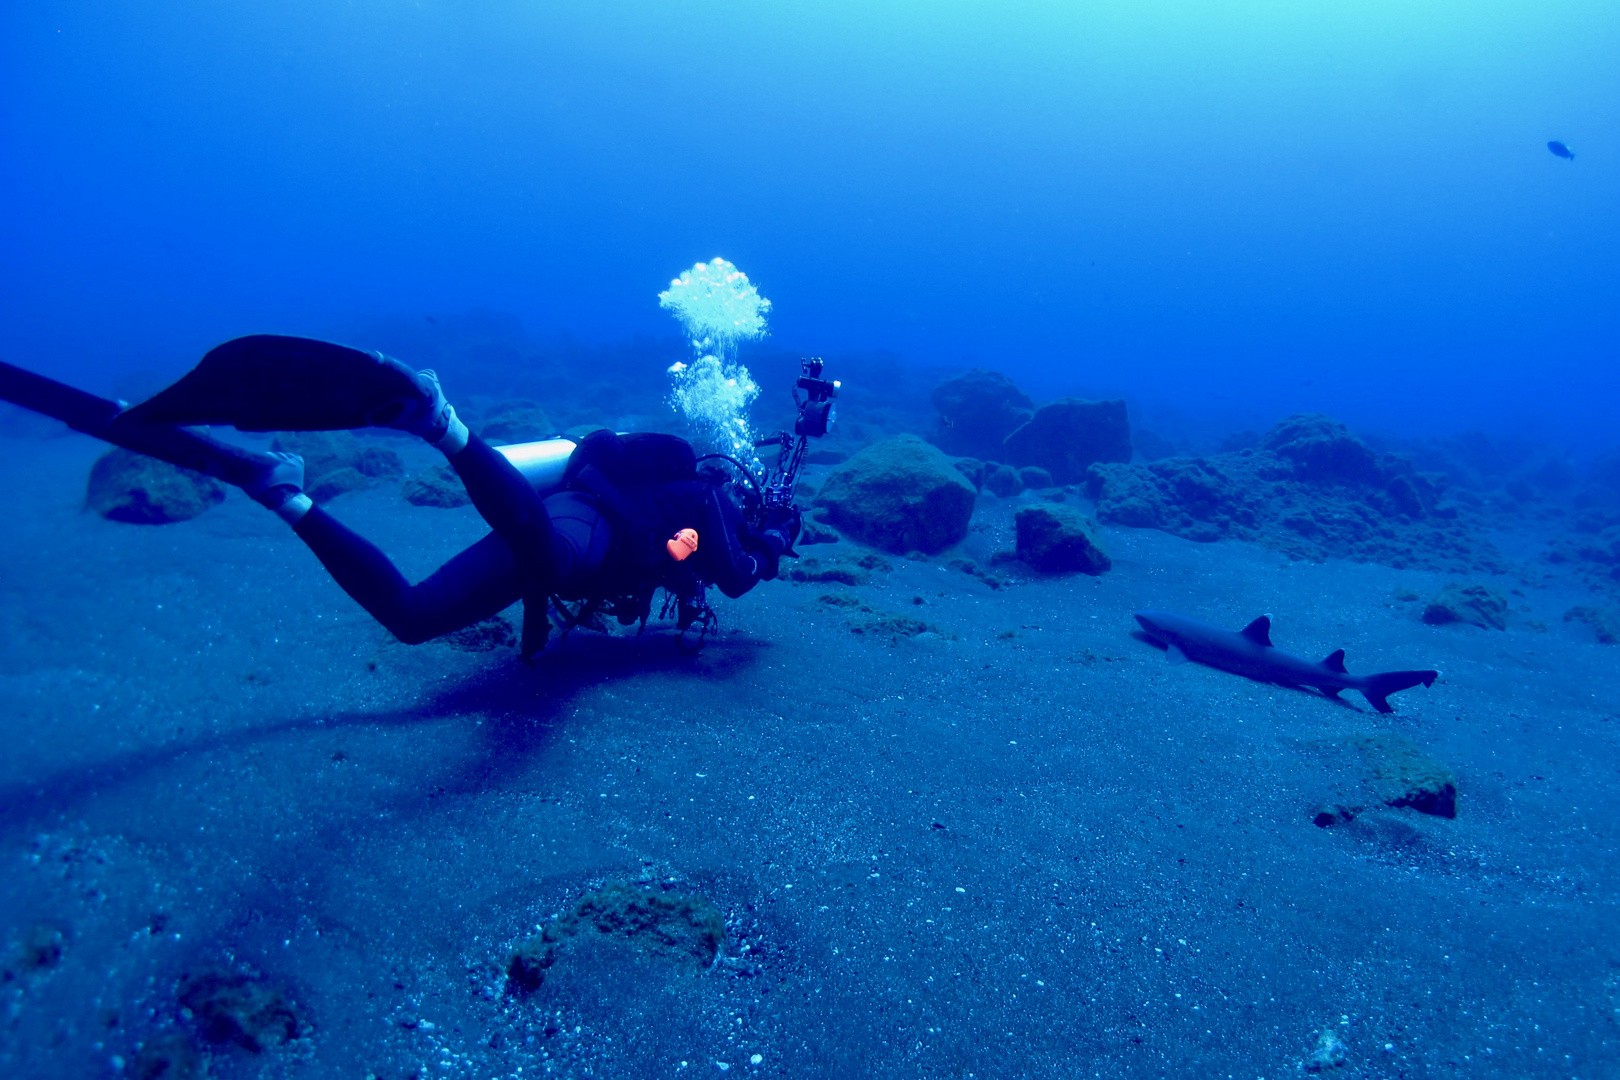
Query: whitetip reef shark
(1249, 652)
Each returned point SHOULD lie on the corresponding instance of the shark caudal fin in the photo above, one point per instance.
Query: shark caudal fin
(1385, 683)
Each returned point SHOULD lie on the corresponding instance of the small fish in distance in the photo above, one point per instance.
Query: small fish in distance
(1560, 150)
(1249, 652)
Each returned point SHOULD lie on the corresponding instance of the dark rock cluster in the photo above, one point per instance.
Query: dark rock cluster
(337, 462)
(983, 415)
(1309, 488)
(133, 488)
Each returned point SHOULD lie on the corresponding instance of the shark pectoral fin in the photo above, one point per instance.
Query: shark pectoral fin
(1175, 654)
(1335, 661)
(1331, 691)
(1259, 631)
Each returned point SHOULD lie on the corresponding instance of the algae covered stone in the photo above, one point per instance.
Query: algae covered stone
(1068, 436)
(1400, 773)
(439, 486)
(902, 494)
(1477, 605)
(139, 490)
(1057, 539)
(680, 927)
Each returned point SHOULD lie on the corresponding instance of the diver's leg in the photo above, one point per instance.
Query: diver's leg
(507, 502)
(473, 585)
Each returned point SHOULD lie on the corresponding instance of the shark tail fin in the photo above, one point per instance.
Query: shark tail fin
(1385, 683)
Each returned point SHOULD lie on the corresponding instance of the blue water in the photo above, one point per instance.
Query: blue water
(1251, 208)
(955, 819)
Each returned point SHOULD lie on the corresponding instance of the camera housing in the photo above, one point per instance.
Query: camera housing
(816, 410)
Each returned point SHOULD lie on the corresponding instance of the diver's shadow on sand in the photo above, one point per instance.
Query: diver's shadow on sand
(519, 705)
(1307, 691)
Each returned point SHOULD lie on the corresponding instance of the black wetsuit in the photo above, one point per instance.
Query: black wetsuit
(563, 546)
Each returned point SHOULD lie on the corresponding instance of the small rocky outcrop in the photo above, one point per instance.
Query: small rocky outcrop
(1605, 624)
(250, 1011)
(1033, 476)
(1068, 436)
(330, 485)
(973, 469)
(517, 422)
(977, 411)
(1476, 605)
(678, 927)
(901, 495)
(439, 486)
(1385, 770)
(1057, 539)
(139, 490)
(1399, 773)
(337, 462)
(1003, 480)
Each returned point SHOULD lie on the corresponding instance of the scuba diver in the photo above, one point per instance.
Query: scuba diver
(584, 529)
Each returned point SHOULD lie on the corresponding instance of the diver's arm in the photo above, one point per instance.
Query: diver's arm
(730, 557)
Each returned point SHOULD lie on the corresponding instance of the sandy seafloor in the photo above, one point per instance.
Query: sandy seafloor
(1024, 847)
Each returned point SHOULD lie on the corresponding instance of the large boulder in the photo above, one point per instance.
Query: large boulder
(902, 494)
(1057, 539)
(1068, 436)
(130, 487)
(977, 411)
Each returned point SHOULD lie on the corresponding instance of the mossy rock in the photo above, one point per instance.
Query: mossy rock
(439, 486)
(681, 927)
(900, 495)
(247, 1010)
(1003, 480)
(1057, 539)
(518, 423)
(338, 482)
(1477, 605)
(139, 490)
(1605, 624)
(1399, 773)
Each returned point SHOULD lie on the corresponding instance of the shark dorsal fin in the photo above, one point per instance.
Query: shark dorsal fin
(1259, 631)
(1335, 661)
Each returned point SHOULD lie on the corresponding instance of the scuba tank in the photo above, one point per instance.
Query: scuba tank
(542, 463)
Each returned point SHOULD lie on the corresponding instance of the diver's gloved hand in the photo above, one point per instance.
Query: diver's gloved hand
(769, 545)
(785, 521)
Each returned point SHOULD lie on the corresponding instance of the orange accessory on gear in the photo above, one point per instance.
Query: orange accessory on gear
(682, 544)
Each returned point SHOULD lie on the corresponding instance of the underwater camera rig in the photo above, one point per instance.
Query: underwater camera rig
(816, 414)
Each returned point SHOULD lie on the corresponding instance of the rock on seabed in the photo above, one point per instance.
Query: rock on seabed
(901, 495)
(139, 490)
(1056, 539)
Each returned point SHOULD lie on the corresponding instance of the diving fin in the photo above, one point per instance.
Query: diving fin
(267, 382)
(100, 418)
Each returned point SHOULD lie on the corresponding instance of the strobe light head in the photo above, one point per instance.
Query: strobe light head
(816, 410)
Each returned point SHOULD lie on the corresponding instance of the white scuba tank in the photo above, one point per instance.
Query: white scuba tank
(541, 463)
